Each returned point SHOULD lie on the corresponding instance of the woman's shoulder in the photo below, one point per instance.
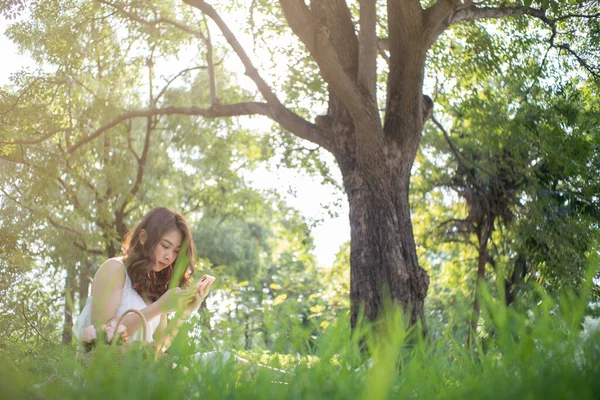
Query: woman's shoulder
(110, 276)
(114, 263)
(115, 260)
(112, 267)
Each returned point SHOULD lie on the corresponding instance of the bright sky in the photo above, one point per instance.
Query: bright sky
(310, 196)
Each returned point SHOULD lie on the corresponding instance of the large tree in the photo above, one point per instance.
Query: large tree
(375, 113)
(375, 149)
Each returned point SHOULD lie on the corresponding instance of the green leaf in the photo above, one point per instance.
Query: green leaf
(181, 264)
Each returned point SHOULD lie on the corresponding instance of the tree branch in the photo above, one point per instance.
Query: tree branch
(180, 73)
(212, 83)
(48, 218)
(472, 12)
(22, 95)
(367, 47)
(71, 194)
(155, 22)
(141, 165)
(90, 251)
(37, 140)
(446, 16)
(129, 142)
(445, 13)
(335, 15)
(594, 72)
(20, 162)
(357, 100)
(277, 111)
(227, 110)
(457, 152)
(436, 18)
(150, 125)
(383, 44)
(31, 324)
(541, 15)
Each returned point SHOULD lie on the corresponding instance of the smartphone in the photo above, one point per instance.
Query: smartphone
(205, 281)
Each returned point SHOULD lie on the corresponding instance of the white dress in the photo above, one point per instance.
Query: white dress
(129, 299)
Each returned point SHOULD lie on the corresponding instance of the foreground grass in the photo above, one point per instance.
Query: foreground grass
(542, 354)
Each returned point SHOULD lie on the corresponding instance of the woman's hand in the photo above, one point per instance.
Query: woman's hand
(176, 299)
(201, 293)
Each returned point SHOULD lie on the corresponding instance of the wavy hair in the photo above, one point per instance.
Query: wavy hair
(139, 259)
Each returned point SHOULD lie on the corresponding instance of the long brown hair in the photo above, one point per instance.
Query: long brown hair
(139, 258)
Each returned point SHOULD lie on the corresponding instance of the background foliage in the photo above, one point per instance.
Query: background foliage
(511, 156)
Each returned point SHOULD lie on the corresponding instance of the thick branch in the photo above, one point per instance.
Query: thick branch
(473, 12)
(404, 106)
(277, 111)
(367, 47)
(361, 106)
(383, 44)
(228, 110)
(405, 23)
(437, 18)
(290, 121)
(301, 21)
(450, 12)
(336, 16)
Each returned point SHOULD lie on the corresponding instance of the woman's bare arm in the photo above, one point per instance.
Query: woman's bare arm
(167, 331)
(106, 294)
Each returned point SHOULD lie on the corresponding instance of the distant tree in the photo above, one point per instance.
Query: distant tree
(73, 197)
(526, 172)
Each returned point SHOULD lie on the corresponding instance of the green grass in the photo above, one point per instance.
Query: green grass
(538, 354)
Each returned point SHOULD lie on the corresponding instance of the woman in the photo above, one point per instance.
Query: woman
(140, 280)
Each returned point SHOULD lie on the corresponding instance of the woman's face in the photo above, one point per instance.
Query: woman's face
(165, 252)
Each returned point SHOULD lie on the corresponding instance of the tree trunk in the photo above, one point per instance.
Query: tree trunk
(84, 283)
(481, 263)
(383, 254)
(67, 335)
(511, 286)
(247, 345)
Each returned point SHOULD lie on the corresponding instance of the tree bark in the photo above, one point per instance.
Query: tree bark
(84, 283)
(511, 285)
(67, 335)
(383, 253)
(481, 263)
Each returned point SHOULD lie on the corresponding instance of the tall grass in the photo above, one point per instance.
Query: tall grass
(540, 353)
